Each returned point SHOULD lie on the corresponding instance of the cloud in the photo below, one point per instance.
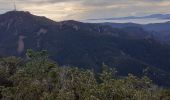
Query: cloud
(87, 9)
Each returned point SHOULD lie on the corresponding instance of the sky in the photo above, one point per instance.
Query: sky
(88, 9)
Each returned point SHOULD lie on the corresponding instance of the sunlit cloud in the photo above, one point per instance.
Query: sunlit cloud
(86, 9)
(165, 4)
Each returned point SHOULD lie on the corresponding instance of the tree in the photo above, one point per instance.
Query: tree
(40, 78)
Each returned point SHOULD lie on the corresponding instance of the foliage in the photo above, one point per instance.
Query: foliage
(39, 78)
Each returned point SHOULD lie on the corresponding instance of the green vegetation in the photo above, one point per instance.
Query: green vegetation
(39, 78)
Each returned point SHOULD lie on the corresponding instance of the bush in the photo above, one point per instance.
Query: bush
(39, 78)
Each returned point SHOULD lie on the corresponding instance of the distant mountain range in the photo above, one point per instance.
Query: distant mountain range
(131, 48)
(160, 31)
(156, 16)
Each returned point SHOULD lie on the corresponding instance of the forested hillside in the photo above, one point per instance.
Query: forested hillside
(86, 45)
(39, 78)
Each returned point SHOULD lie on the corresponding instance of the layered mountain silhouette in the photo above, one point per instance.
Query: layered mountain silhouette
(131, 49)
(160, 31)
(156, 16)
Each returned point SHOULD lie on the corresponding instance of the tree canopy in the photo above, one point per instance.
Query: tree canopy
(39, 78)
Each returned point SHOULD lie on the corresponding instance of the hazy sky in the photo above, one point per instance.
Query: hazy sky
(88, 9)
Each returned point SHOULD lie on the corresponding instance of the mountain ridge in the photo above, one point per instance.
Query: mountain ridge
(157, 16)
(84, 44)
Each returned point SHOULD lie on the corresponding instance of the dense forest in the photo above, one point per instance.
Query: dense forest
(129, 48)
(36, 77)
